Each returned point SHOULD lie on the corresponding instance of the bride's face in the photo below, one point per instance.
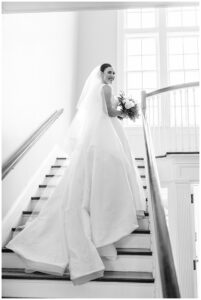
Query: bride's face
(108, 75)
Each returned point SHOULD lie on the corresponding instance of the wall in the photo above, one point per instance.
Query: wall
(39, 67)
(97, 42)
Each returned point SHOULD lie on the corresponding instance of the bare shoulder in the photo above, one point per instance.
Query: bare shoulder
(107, 89)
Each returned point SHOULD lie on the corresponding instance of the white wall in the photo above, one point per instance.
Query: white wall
(97, 42)
(39, 67)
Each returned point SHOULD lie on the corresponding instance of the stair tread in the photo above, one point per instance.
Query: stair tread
(120, 251)
(133, 251)
(120, 276)
(136, 231)
(29, 212)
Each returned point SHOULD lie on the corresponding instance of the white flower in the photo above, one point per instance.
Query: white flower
(129, 104)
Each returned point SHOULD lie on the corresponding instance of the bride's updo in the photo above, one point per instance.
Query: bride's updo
(104, 66)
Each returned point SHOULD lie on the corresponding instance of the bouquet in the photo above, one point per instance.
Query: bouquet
(128, 107)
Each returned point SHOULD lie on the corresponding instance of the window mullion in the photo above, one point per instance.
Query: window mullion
(163, 74)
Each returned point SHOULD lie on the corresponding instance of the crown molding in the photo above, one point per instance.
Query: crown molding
(41, 7)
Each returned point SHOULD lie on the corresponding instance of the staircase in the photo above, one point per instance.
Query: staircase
(130, 276)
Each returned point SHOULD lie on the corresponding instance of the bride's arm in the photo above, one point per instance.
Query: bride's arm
(112, 112)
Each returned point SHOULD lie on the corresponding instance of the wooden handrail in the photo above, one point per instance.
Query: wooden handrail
(26, 146)
(172, 88)
(169, 283)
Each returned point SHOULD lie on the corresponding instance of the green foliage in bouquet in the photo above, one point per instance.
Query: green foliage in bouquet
(128, 106)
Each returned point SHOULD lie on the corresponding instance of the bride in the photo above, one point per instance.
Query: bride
(95, 203)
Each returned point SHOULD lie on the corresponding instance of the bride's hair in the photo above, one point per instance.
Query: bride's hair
(104, 66)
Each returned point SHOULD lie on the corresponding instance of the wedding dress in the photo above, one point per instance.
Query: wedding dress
(95, 203)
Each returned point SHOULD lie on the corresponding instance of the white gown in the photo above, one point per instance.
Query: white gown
(94, 205)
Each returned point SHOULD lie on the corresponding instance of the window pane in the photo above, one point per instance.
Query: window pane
(134, 46)
(176, 77)
(148, 46)
(191, 76)
(174, 18)
(190, 45)
(189, 18)
(148, 20)
(134, 80)
(134, 63)
(175, 45)
(149, 80)
(135, 94)
(149, 62)
(133, 20)
(191, 61)
(176, 62)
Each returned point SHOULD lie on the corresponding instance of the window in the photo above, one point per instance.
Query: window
(160, 49)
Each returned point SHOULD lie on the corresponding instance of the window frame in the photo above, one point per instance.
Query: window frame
(163, 31)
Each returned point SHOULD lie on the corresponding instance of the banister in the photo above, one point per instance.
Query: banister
(169, 283)
(172, 88)
(26, 146)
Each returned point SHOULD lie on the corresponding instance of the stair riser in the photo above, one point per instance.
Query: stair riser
(141, 263)
(63, 289)
(46, 192)
(52, 180)
(130, 241)
(135, 241)
(141, 171)
(34, 203)
(143, 223)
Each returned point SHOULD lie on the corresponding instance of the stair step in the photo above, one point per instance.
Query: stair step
(113, 276)
(47, 186)
(29, 212)
(39, 198)
(139, 158)
(52, 176)
(120, 251)
(136, 239)
(140, 240)
(40, 285)
(134, 251)
(127, 260)
(141, 167)
(137, 231)
(62, 158)
(56, 166)
(143, 221)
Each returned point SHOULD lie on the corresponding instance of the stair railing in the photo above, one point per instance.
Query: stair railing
(165, 260)
(172, 114)
(28, 144)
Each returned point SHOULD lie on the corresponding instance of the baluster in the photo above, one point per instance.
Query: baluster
(187, 118)
(159, 125)
(148, 106)
(153, 118)
(181, 112)
(195, 121)
(175, 120)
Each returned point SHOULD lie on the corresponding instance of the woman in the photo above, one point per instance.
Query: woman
(96, 202)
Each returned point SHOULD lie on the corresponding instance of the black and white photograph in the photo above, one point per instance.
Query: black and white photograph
(100, 149)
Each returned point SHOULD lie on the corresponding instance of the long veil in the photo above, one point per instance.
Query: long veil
(89, 108)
